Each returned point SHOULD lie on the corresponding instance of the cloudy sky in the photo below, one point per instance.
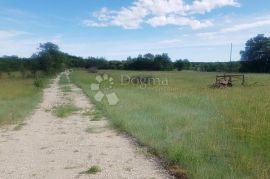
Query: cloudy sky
(199, 30)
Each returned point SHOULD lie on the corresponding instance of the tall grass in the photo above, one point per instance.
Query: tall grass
(18, 97)
(211, 133)
(64, 110)
(64, 83)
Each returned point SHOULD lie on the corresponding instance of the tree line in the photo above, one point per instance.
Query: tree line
(49, 59)
(256, 56)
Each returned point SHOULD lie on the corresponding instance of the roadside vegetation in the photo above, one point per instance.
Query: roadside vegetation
(209, 133)
(64, 83)
(18, 96)
(92, 170)
(64, 110)
(94, 114)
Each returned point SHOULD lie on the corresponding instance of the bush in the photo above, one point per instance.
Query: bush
(92, 170)
(179, 65)
(38, 82)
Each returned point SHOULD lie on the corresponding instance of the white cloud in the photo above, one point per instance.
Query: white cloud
(158, 13)
(163, 7)
(203, 6)
(130, 18)
(94, 24)
(5, 34)
(179, 21)
(238, 27)
(245, 26)
(102, 15)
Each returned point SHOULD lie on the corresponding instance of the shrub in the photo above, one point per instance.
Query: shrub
(38, 82)
(92, 170)
(64, 110)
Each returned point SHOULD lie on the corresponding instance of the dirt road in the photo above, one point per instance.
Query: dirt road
(53, 148)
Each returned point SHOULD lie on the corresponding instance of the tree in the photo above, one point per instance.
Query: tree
(257, 48)
(186, 64)
(163, 62)
(179, 65)
(149, 56)
(256, 56)
(100, 63)
(50, 57)
(22, 69)
(33, 65)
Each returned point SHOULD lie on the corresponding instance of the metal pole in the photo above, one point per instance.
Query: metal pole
(231, 59)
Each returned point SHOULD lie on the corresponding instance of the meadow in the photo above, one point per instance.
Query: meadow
(19, 96)
(209, 133)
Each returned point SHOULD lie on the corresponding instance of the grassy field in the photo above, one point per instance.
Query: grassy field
(18, 97)
(210, 133)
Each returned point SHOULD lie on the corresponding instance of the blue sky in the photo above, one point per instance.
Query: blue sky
(199, 30)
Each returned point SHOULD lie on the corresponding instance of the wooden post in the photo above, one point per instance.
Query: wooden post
(231, 59)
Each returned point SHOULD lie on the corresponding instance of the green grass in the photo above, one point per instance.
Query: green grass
(64, 110)
(210, 133)
(18, 97)
(94, 115)
(92, 170)
(64, 83)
